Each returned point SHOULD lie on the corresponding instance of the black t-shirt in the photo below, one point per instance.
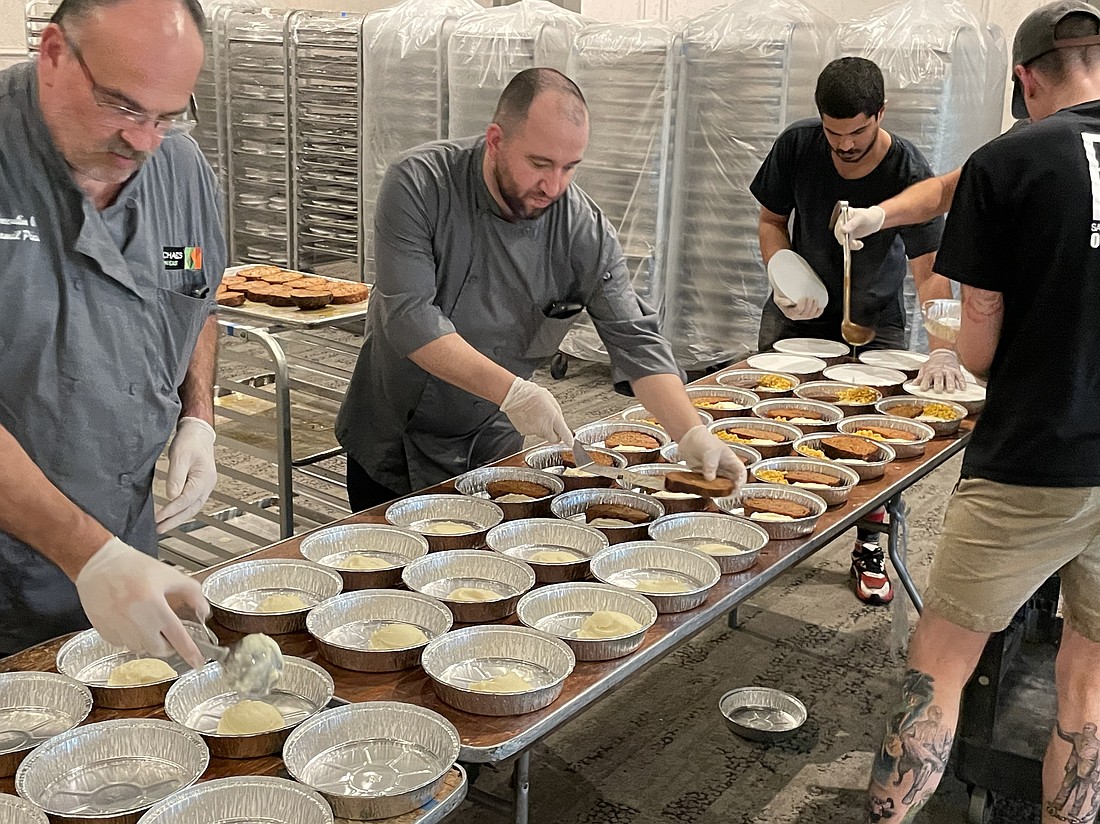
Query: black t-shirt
(1025, 222)
(798, 176)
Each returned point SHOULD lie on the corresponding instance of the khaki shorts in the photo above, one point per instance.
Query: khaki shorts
(1001, 542)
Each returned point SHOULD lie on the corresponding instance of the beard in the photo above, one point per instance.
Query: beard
(103, 172)
(514, 199)
(855, 157)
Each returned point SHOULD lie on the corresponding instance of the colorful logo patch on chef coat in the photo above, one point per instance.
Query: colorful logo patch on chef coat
(182, 257)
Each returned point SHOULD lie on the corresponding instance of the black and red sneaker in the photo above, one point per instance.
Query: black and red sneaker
(872, 585)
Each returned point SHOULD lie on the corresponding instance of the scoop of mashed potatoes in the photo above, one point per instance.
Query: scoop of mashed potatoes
(607, 623)
(470, 594)
(250, 718)
(358, 561)
(281, 602)
(396, 636)
(511, 681)
(553, 556)
(140, 671)
(664, 586)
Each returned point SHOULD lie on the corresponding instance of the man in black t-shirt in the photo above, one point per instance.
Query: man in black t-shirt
(846, 155)
(1023, 239)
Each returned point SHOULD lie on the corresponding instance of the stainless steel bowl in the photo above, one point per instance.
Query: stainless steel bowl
(199, 699)
(332, 546)
(474, 654)
(87, 658)
(942, 428)
(440, 574)
(790, 434)
(747, 455)
(235, 592)
(830, 413)
(241, 799)
(742, 399)
(35, 706)
(832, 495)
(750, 379)
(476, 483)
(762, 714)
(378, 759)
(693, 529)
(595, 433)
(671, 501)
(524, 539)
(420, 512)
(903, 449)
(572, 507)
(867, 470)
(560, 610)
(549, 459)
(642, 415)
(15, 810)
(782, 530)
(826, 391)
(343, 627)
(629, 566)
(111, 771)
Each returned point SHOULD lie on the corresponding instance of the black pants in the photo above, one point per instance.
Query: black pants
(775, 326)
(363, 491)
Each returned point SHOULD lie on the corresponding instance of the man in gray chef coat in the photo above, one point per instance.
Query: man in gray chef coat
(110, 253)
(485, 253)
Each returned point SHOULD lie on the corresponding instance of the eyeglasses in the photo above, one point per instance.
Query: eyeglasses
(124, 117)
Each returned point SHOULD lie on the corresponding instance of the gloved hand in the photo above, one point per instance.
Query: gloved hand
(707, 453)
(534, 411)
(860, 223)
(806, 309)
(128, 596)
(941, 372)
(192, 473)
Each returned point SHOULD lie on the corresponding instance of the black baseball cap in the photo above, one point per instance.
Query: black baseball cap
(1035, 37)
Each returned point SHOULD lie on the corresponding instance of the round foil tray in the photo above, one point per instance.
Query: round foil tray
(762, 714)
(250, 798)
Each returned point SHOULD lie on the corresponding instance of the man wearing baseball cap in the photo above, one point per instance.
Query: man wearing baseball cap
(1023, 239)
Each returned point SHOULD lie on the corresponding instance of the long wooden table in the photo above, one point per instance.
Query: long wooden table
(492, 740)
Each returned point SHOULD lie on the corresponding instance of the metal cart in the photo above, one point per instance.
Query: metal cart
(282, 375)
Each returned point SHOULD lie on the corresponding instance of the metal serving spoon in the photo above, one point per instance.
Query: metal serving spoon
(853, 333)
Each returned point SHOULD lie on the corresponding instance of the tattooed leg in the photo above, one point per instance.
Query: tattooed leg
(919, 732)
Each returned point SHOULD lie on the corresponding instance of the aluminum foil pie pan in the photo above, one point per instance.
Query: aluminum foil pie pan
(770, 450)
(111, 771)
(830, 413)
(903, 449)
(378, 759)
(476, 482)
(343, 627)
(15, 810)
(596, 433)
(826, 392)
(942, 427)
(832, 495)
(199, 699)
(750, 379)
(762, 714)
(244, 798)
(641, 565)
(333, 546)
(742, 400)
(642, 415)
(671, 501)
(438, 575)
(525, 539)
(780, 530)
(572, 506)
(470, 656)
(36, 706)
(867, 470)
(561, 610)
(746, 454)
(422, 513)
(549, 459)
(236, 591)
(693, 529)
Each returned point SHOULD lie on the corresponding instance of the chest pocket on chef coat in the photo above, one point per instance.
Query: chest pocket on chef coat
(550, 329)
(180, 318)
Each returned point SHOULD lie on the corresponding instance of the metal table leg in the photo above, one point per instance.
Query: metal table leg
(521, 777)
(898, 548)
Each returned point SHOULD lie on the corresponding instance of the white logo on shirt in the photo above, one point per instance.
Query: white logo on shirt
(1090, 141)
(19, 228)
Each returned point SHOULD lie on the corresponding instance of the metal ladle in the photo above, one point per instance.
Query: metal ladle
(853, 333)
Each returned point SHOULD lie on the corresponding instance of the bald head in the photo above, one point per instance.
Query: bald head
(522, 90)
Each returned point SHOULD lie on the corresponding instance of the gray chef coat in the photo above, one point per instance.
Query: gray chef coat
(98, 320)
(447, 261)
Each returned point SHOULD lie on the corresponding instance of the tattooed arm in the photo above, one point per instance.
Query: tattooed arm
(982, 317)
(1063, 734)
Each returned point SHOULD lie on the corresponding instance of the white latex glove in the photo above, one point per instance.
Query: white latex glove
(707, 453)
(806, 309)
(192, 473)
(534, 411)
(941, 372)
(860, 223)
(128, 597)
